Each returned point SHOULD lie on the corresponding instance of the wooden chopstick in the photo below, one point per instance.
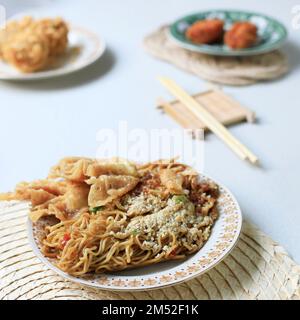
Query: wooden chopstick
(210, 121)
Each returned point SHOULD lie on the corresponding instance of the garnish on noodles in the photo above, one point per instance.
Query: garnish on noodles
(109, 215)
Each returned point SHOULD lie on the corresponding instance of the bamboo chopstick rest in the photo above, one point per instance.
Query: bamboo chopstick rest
(225, 109)
(207, 118)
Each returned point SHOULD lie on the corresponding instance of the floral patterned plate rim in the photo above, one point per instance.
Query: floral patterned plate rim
(271, 33)
(222, 240)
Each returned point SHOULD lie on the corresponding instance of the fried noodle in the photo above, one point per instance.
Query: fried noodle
(125, 216)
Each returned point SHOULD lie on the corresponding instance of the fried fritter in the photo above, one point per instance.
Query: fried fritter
(12, 29)
(29, 52)
(206, 31)
(56, 31)
(242, 35)
(31, 45)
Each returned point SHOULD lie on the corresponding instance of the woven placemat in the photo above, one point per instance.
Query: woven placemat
(257, 268)
(223, 70)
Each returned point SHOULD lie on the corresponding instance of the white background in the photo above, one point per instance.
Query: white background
(43, 121)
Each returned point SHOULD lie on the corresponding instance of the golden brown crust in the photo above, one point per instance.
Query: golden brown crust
(28, 52)
(105, 189)
(31, 45)
(206, 31)
(71, 168)
(242, 35)
(56, 33)
(172, 181)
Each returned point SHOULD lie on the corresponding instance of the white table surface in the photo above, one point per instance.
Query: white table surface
(43, 121)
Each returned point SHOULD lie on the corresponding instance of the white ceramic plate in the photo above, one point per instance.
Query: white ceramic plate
(84, 48)
(223, 238)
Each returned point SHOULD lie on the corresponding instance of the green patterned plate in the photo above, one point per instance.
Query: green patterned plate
(271, 33)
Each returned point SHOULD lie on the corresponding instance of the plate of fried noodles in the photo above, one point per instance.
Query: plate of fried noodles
(118, 225)
(44, 47)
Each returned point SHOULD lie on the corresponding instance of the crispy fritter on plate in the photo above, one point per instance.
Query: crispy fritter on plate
(56, 32)
(242, 35)
(32, 45)
(206, 31)
(28, 52)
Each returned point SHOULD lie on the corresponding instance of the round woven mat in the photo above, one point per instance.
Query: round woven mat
(257, 268)
(223, 70)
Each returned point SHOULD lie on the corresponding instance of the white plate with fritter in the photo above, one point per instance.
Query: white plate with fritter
(222, 240)
(84, 48)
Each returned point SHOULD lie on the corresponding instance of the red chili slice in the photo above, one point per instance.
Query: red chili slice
(65, 239)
